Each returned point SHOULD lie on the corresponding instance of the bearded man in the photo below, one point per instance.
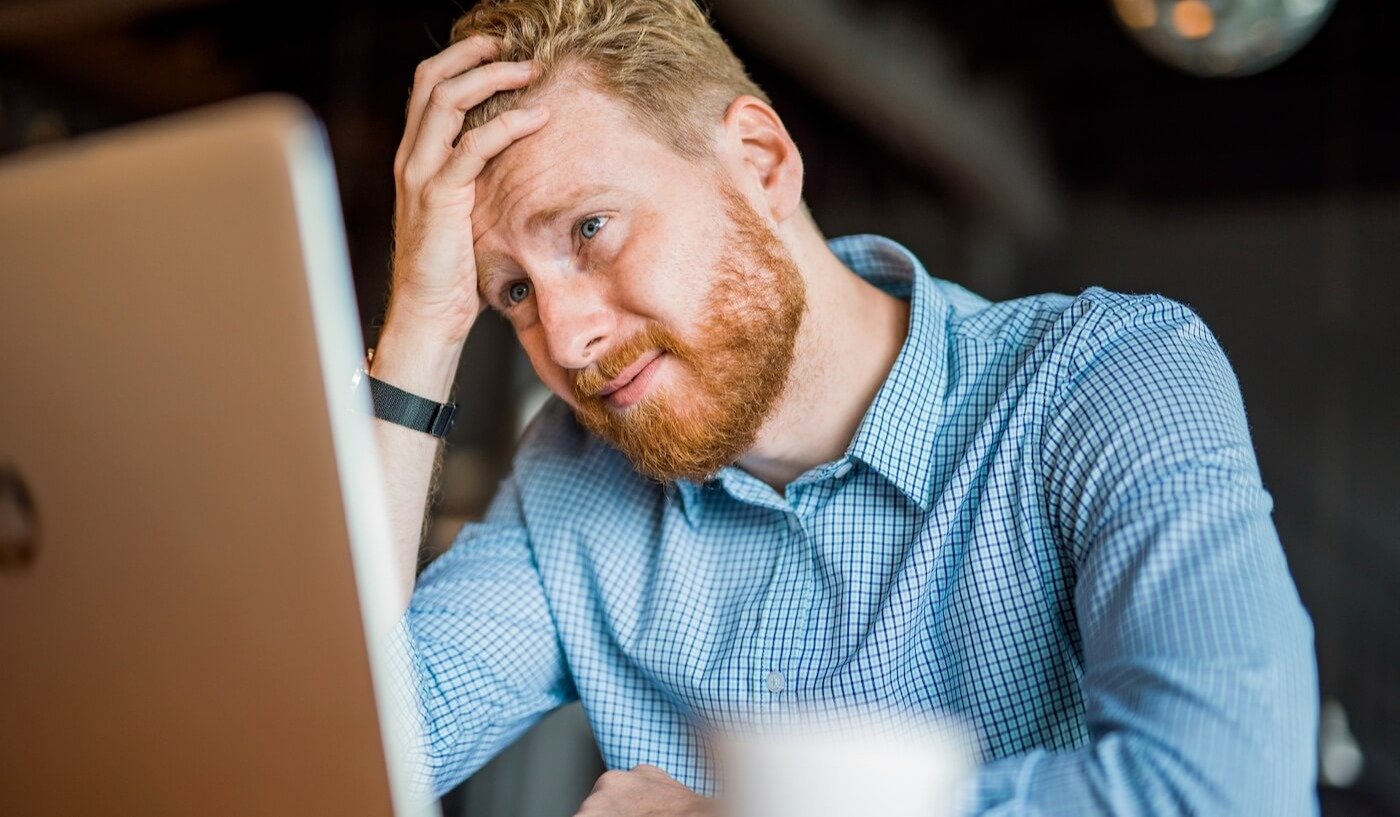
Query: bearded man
(781, 469)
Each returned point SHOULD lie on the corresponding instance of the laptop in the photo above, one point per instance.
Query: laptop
(196, 586)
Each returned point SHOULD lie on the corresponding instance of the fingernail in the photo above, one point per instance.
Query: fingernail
(536, 111)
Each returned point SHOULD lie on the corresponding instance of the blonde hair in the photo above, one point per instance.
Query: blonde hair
(660, 57)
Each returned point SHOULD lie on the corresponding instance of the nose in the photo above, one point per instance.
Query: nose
(577, 323)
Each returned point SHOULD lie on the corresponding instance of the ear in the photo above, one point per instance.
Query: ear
(760, 152)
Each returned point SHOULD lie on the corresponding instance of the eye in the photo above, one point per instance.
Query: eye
(517, 292)
(590, 226)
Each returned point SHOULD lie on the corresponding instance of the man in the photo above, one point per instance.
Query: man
(786, 470)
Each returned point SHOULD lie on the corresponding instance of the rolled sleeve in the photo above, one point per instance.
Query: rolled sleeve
(482, 650)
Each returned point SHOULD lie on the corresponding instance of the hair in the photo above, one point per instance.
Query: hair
(662, 58)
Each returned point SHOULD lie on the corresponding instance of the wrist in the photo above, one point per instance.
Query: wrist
(422, 363)
(434, 319)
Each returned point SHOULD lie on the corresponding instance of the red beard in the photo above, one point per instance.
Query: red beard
(740, 365)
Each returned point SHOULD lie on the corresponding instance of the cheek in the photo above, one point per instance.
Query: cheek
(552, 375)
(664, 281)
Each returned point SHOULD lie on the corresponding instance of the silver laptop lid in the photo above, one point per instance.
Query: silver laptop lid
(183, 630)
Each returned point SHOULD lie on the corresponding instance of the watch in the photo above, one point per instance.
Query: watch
(405, 408)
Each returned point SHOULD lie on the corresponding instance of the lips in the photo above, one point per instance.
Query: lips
(629, 374)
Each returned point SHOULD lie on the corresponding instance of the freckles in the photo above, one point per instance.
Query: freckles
(649, 262)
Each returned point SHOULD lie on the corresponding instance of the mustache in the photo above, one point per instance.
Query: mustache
(588, 383)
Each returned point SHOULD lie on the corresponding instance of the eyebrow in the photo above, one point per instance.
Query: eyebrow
(549, 215)
(489, 274)
(489, 267)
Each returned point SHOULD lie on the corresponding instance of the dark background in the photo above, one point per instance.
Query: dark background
(1056, 155)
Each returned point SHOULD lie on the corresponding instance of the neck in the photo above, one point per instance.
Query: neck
(849, 339)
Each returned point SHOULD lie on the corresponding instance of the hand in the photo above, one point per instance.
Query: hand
(434, 273)
(646, 791)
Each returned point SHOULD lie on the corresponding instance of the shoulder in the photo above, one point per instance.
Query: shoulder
(1016, 322)
(1139, 350)
(1141, 378)
(1146, 413)
(1073, 326)
(1101, 321)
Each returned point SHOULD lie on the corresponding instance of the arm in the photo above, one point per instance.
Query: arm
(434, 300)
(477, 649)
(425, 367)
(1200, 680)
(486, 662)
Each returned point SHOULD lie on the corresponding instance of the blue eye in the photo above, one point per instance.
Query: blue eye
(591, 226)
(517, 292)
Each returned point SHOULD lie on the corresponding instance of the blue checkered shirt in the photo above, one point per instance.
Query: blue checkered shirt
(1050, 523)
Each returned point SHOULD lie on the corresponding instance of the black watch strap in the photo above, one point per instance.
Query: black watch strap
(418, 413)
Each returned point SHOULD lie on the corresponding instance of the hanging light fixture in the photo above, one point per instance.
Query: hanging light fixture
(1218, 38)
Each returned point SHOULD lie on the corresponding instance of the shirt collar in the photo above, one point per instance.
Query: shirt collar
(689, 495)
(895, 437)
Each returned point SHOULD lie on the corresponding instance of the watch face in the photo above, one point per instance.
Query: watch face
(362, 372)
(19, 526)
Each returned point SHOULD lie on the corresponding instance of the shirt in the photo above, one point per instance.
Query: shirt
(1050, 522)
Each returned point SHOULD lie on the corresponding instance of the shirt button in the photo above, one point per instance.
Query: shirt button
(776, 682)
(794, 524)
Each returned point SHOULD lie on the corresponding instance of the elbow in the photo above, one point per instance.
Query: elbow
(1214, 740)
(1257, 754)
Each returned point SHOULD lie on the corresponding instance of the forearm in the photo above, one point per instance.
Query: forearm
(1233, 736)
(1126, 775)
(425, 366)
(1199, 683)
(483, 658)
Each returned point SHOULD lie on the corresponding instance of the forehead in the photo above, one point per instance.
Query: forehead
(591, 140)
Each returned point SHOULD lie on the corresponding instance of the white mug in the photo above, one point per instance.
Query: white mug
(818, 771)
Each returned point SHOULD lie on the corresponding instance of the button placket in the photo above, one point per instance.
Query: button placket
(777, 633)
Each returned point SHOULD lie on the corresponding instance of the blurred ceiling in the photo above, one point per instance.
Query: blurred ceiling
(998, 81)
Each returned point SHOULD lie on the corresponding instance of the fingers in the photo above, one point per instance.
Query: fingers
(609, 778)
(462, 55)
(479, 145)
(647, 768)
(448, 103)
(644, 790)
